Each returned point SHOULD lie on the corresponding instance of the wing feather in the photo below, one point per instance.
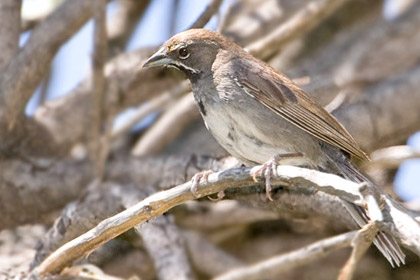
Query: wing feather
(282, 96)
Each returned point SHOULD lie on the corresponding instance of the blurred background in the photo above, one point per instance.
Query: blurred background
(358, 58)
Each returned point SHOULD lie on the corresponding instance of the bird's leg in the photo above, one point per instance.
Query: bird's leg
(269, 167)
(195, 180)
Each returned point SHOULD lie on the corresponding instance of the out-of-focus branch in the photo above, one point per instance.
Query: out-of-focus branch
(98, 88)
(302, 22)
(35, 12)
(392, 157)
(157, 103)
(24, 73)
(9, 30)
(401, 224)
(360, 243)
(123, 23)
(276, 265)
(133, 86)
(372, 118)
(206, 15)
(214, 261)
(25, 187)
(168, 127)
(165, 243)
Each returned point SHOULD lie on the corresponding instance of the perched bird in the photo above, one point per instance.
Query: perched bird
(261, 117)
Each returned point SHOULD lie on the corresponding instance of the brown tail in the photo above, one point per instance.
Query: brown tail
(386, 243)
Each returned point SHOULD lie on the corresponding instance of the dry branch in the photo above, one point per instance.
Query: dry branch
(207, 14)
(165, 244)
(123, 23)
(32, 191)
(372, 119)
(401, 224)
(9, 30)
(155, 104)
(96, 149)
(168, 127)
(215, 261)
(360, 243)
(276, 265)
(26, 70)
(392, 157)
(298, 25)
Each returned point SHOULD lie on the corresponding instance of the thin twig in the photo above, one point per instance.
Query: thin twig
(206, 15)
(123, 23)
(297, 25)
(278, 264)
(392, 157)
(215, 261)
(360, 244)
(24, 73)
(168, 127)
(98, 86)
(44, 87)
(223, 18)
(165, 243)
(159, 102)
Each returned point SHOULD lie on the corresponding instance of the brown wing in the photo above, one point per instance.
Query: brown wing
(281, 95)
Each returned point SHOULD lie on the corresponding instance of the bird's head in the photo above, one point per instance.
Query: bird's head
(193, 51)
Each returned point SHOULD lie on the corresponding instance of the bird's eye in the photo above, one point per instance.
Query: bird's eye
(183, 53)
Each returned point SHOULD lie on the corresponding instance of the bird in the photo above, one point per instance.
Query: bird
(261, 117)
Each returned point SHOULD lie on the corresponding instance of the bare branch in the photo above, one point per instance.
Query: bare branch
(392, 157)
(206, 15)
(165, 243)
(215, 261)
(360, 244)
(400, 224)
(124, 22)
(134, 86)
(159, 102)
(276, 265)
(302, 22)
(9, 30)
(24, 73)
(98, 87)
(26, 186)
(168, 127)
(372, 118)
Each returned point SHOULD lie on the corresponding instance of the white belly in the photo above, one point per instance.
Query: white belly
(240, 135)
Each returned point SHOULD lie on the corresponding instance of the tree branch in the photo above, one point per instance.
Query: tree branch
(24, 73)
(401, 224)
(9, 30)
(97, 118)
(302, 22)
(207, 14)
(168, 127)
(276, 265)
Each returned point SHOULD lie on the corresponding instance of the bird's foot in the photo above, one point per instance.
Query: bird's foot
(195, 180)
(268, 168)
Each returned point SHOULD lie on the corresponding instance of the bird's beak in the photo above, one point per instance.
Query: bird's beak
(158, 59)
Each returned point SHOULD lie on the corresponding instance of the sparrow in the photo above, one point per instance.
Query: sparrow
(262, 118)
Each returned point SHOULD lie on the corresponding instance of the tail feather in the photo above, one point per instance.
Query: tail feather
(385, 243)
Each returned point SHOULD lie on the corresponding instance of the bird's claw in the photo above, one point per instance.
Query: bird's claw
(195, 181)
(268, 168)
